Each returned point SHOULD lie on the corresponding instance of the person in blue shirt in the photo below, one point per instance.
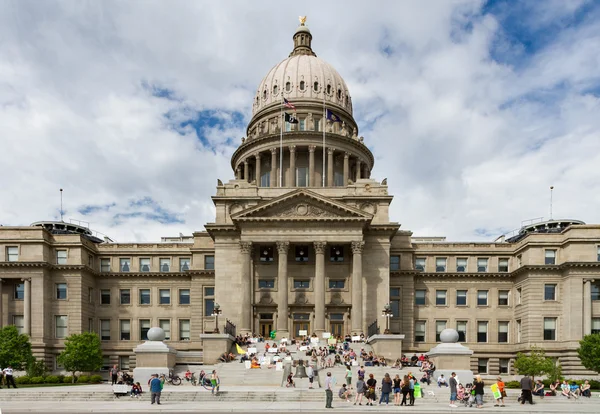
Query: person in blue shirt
(155, 389)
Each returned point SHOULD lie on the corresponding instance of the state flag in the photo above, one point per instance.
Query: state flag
(332, 116)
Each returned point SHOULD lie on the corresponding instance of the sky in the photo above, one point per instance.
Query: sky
(472, 109)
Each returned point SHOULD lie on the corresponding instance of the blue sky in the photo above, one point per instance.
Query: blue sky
(134, 108)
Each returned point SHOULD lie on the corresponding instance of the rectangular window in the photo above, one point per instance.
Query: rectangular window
(144, 328)
(124, 363)
(91, 261)
(209, 262)
(302, 177)
(420, 297)
(18, 322)
(164, 296)
(61, 291)
(549, 329)
(105, 329)
(12, 254)
(125, 328)
(184, 264)
(184, 296)
(144, 265)
(503, 332)
(518, 330)
(394, 263)
(105, 265)
(595, 290)
(461, 328)
(518, 298)
(125, 296)
(482, 265)
(301, 253)
(420, 264)
(266, 254)
(165, 325)
(461, 298)
(317, 124)
(595, 325)
(125, 264)
(302, 124)
(20, 291)
(482, 298)
(144, 296)
(503, 298)
(337, 284)
(440, 264)
(461, 264)
(336, 254)
(336, 316)
(419, 331)
(60, 323)
(502, 265)
(395, 301)
(482, 328)
(301, 284)
(482, 365)
(439, 327)
(440, 298)
(265, 179)
(90, 325)
(165, 265)
(550, 257)
(105, 296)
(209, 300)
(504, 362)
(184, 330)
(105, 363)
(266, 283)
(61, 257)
(550, 292)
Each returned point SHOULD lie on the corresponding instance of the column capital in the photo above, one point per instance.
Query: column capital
(312, 148)
(26, 279)
(246, 247)
(273, 151)
(257, 155)
(357, 247)
(346, 155)
(330, 151)
(589, 280)
(246, 161)
(282, 247)
(292, 148)
(320, 247)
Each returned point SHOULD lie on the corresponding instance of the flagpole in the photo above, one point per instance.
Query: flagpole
(324, 124)
(281, 139)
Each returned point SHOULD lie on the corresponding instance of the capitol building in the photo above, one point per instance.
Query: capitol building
(302, 241)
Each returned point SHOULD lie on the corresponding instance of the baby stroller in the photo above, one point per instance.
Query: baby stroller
(468, 398)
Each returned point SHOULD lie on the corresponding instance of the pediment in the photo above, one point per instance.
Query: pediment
(302, 205)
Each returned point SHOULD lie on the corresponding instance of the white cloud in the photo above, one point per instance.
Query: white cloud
(478, 142)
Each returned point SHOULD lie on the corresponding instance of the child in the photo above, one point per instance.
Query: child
(502, 392)
(290, 381)
(136, 390)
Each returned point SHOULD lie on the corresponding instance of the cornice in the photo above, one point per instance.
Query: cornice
(24, 264)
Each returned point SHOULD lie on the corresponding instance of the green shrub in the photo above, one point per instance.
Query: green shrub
(37, 380)
(595, 384)
(68, 379)
(83, 379)
(37, 368)
(52, 379)
(23, 380)
(512, 384)
(61, 378)
(96, 379)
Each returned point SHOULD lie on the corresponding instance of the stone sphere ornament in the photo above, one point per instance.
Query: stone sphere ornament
(157, 334)
(449, 336)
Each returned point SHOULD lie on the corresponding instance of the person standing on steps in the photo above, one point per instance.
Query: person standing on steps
(386, 389)
(526, 387)
(348, 376)
(310, 373)
(8, 377)
(114, 374)
(453, 390)
(214, 382)
(411, 390)
(328, 390)
(361, 387)
(155, 389)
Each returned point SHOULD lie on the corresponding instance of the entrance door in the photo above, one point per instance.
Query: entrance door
(266, 328)
(301, 326)
(337, 329)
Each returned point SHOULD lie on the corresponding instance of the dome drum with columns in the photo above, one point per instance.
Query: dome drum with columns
(309, 84)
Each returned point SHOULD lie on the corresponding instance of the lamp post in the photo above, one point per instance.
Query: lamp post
(216, 312)
(387, 314)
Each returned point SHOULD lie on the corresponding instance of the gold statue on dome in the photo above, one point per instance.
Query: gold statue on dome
(302, 20)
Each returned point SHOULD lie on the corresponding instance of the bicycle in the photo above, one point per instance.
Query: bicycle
(172, 379)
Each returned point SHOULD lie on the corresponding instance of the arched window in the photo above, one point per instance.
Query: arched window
(339, 94)
(346, 99)
(302, 39)
(288, 86)
(328, 89)
(275, 90)
(316, 86)
(265, 94)
(301, 85)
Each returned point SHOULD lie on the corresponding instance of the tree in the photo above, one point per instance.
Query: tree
(589, 352)
(82, 353)
(15, 348)
(535, 363)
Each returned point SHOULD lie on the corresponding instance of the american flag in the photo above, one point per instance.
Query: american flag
(288, 104)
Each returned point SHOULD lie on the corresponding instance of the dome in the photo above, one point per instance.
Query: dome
(301, 77)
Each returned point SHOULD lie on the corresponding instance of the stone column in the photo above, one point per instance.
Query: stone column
(311, 165)
(238, 173)
(365, 173)
(358, 166)
(246, 171)
(319, 287)
(282, 289)
(246, 296)
(346, 168)
(27, 307)
(1, 304)
(587, 306)
(292, 179)
(330, 167)
(273, 167)
(357, 302)
(257, 168)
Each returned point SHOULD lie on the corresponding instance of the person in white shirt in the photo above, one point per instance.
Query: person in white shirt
(310, 372)
(8, 377)
(442, 381)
